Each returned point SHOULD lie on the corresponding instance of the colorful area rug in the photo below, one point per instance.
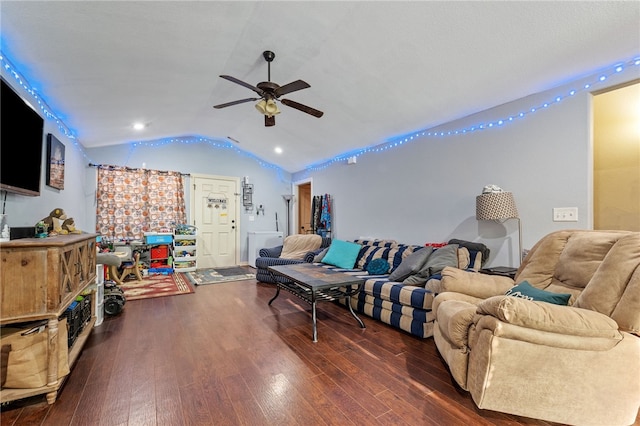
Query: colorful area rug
(220, 275)
(157, 285)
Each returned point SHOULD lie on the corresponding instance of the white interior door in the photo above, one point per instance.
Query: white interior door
(215, 213)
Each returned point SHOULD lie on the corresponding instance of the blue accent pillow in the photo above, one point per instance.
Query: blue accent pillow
(378, 267)
(342, 254)
(525, 290)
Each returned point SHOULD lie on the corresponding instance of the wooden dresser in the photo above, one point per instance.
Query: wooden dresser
(39, 279)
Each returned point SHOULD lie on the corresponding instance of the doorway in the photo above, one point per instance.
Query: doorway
(214, 207)
(303, 217)
(616, 158)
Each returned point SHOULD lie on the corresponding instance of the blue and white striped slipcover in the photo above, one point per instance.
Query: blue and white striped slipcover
(403, 306)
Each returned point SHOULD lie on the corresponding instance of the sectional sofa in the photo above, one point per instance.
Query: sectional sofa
(273, 256)
(401, 295)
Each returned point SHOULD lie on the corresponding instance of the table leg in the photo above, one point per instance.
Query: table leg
(277, 294)
(353, 313)
(313, 318)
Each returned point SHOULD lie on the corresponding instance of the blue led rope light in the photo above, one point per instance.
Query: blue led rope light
(42, 105)
(214, 143)
(390, 143)
(399, 140)
(66, 131)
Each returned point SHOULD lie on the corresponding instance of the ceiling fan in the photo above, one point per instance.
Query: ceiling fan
(270, 92)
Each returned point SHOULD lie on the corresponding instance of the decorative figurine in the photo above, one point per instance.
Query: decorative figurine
(41, 230)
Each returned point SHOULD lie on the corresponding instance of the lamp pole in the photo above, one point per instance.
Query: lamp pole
(287, 198)
(519, 242)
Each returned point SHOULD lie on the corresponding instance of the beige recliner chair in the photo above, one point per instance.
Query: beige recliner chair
(576, 364)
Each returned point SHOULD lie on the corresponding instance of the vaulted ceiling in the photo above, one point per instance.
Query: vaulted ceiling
(376, 69)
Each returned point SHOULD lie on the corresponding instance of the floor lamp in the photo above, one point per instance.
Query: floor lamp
(499, 206)
(288, 198)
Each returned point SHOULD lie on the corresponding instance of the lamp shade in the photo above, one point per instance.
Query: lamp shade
(496, 205)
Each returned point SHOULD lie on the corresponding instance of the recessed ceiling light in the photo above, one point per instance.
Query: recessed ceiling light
(278, 150)
(139, 126)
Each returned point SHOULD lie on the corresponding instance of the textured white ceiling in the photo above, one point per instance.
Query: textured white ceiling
(376, 69)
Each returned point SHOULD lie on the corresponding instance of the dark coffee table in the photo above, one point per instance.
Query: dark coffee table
(313, 283)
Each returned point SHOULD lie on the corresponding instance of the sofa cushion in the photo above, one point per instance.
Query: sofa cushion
(441, 258)
(378, 267)
(524, 290)
(296, 246)
(437, 261)
(318, 257)
(416, 297)
(377, 243)
(394, 255)
(479, 253)
(411, 264)
(464, 259)
(412, 320)
(342, 254)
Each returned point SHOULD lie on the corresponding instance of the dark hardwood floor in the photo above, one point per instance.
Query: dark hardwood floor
(223, 356)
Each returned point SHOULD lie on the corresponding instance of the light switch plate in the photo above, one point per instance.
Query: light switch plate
(565, 214)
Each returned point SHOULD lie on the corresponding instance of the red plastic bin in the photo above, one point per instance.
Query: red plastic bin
(160, 252)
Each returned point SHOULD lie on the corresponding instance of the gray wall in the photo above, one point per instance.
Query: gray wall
(422, 191)
(27, 211)
(269, 183)
(78, 198)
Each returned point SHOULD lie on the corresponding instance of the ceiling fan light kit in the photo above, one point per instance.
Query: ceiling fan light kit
(270, 92)
(267, 107)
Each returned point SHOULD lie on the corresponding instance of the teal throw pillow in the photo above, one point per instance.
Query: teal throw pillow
(342, 254)
(527, 291)
(378, 267)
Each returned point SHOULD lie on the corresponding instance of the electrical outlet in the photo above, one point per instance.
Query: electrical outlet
(565, 214)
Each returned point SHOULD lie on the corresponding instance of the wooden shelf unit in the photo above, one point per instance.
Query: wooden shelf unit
(39, 279)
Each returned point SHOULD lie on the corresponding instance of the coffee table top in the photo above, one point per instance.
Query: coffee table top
(315, 276)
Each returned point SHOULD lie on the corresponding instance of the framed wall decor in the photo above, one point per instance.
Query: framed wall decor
(55, 162)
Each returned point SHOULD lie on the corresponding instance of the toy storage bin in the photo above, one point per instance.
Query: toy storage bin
(160, 252)
(99, 313)
(158, 238)
(99, 295)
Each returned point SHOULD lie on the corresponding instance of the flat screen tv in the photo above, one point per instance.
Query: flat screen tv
(21, 144)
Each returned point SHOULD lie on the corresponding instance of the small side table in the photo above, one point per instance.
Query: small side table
(504, 271)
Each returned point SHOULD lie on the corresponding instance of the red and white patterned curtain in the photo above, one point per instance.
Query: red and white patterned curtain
(133, 201)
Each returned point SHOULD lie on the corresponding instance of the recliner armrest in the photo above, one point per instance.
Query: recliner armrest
(474, 284)
(548, 317)
(270, 252)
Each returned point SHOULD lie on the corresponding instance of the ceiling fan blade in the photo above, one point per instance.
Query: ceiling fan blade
(240, 101)
(242, 83)
(269, 121)
(291, 87)
(303, 108)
